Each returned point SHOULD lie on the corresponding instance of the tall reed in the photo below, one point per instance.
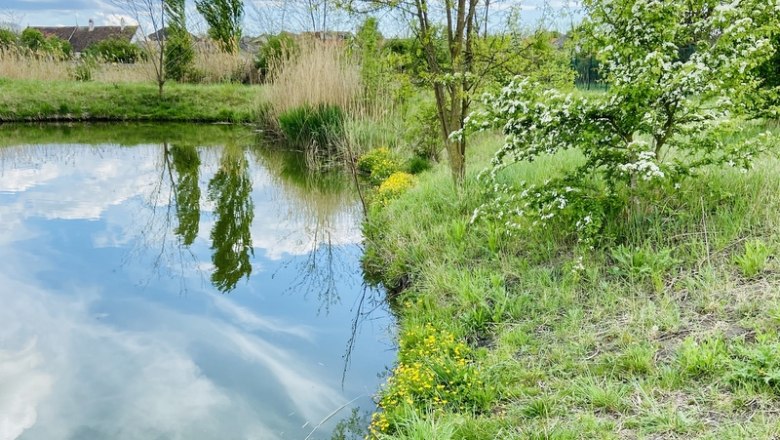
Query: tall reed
(212, 65)
(321, 74)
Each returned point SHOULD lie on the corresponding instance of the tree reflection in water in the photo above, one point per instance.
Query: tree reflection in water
(328, 209)
(325, 208)
(231, 238)
(320, 212)
(186, 163)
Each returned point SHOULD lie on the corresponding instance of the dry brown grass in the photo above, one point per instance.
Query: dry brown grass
(210, 66)
(20, 65)
(16, 65)
(214, 66)
(321, 74)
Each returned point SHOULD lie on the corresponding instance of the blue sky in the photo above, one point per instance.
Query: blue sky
(258, 13)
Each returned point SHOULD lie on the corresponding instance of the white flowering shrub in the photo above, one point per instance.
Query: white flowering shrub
(681, 81)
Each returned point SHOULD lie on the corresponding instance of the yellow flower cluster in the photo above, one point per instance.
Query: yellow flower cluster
(394, 186)
(378, 164)
(379, 424)
(434, 371)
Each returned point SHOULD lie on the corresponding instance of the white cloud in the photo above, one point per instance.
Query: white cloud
(312, 398)
(117, 19)
(85, 377)
(95, 180)
(22, 386)
(251, 321)
(84, 361)
(17, 180)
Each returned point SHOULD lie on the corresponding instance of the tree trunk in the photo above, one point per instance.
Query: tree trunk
(456, 149)
(451, 101)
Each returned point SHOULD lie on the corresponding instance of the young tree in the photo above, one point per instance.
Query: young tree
(367, 44)
(452, 79)
(457, 61)
(451, 84)
(224, 19)
(681, 77)
(179, 54)
(115, 50)
(151, 16)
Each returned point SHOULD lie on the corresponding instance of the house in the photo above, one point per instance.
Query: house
(162, 35)
(81, 37)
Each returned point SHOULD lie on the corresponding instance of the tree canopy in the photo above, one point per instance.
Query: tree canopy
(224, 19)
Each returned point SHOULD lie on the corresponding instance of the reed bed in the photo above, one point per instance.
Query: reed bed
(321, 75)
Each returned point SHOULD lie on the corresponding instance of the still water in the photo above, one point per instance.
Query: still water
(166, 282)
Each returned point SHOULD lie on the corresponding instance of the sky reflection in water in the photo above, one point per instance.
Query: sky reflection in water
(226, 315)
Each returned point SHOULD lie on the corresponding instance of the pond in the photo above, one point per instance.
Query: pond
(166, 281)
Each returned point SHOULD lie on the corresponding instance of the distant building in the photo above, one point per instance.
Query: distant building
(81, 37)
(251, 44)
(328, 35)
(559, 42)
(162, 35)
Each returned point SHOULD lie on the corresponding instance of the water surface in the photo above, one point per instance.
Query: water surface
(178, 282)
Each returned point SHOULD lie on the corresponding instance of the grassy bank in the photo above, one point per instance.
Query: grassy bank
(125, 134)
(33, 100)
(669, 330)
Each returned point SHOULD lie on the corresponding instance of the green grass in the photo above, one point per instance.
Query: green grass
(306, 125)
(29, 101)
(671, 329)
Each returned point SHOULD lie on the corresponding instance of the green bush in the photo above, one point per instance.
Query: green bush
(308, 125)
(769, 71)
(417, 165)
(37, 43)
(277, 49)
(423, 131)
(408, 56)
(59, 48)
(33, 39)
(115, 50)
(7, 38)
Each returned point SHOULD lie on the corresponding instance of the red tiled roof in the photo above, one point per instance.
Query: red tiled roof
(80, 37)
